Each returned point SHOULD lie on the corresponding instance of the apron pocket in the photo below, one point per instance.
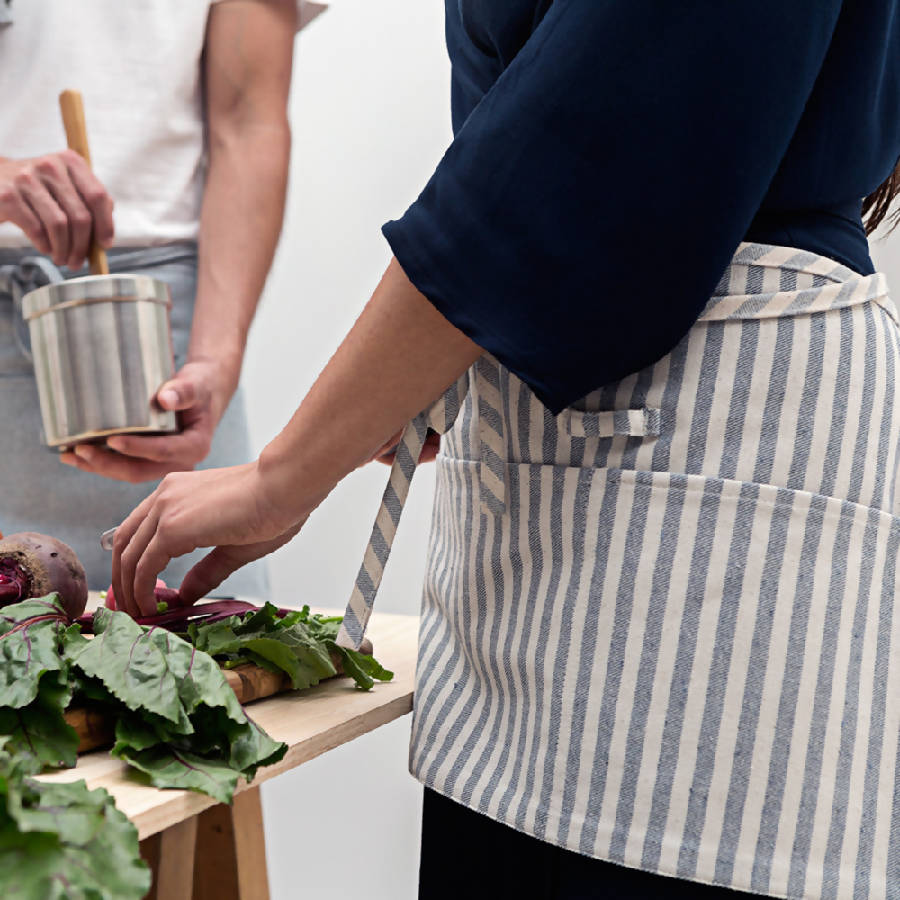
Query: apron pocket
(698, 648)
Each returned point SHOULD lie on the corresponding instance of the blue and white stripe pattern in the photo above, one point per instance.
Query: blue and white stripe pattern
(439, 417)
(17, 279)
(674, 644)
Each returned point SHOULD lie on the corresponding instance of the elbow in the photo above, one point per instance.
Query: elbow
(250, 133)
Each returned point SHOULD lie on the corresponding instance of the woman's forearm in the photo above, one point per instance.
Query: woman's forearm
(397, 359)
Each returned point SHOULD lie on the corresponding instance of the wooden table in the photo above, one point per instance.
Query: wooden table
(175, 826)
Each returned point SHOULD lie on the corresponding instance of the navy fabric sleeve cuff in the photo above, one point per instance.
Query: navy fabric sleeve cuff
(586, 208)
(526, 356)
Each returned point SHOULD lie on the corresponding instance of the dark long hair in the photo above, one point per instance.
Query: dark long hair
(875, 207)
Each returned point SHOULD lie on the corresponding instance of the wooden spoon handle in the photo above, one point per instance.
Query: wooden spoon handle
(72, 108)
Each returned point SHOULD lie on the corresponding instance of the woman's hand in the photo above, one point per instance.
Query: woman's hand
(248, 511)
(199, 392)
(429, 452)
(227, 509)
(58, 202)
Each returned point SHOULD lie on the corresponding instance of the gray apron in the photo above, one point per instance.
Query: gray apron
(659, 628)
(37, 492)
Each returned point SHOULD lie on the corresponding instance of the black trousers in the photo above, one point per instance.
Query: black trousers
(467, 856)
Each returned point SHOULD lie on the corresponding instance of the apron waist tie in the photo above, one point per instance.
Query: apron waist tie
(16, 280)
(491, 438)
(492, 471)
(440, 418)
(23, 271)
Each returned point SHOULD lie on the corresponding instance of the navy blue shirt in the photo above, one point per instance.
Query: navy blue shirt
(609, 156)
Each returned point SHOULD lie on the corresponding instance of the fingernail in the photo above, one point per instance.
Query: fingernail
(168, 397)
(66, 459)
(85, 451)
(115, 443)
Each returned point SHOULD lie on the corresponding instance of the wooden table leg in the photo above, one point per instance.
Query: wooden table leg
(231, 851)
(170, 855)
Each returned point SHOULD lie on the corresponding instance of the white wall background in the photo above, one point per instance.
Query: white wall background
(370, 116)
(370, 113)
(886, 256)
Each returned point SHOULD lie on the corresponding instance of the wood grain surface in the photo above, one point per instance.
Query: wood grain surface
(231, 851)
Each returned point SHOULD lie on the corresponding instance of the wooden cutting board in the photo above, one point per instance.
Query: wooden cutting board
(249, 682)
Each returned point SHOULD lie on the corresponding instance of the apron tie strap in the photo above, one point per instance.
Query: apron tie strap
(31, 271)
(18, 279)
(491, 438)
(440, 418)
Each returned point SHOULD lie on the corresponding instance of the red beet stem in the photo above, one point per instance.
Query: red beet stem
(201, 612)
(177, 619)
(168, 595)
(24, 626)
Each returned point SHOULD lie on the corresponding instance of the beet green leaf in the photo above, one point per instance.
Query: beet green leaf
(64, 841)
(300, 644)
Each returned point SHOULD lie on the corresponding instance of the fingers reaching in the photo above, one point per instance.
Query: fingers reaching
(210, 572)
(221, 562)
(429, 451)
(215, 508)
(151, 563)
(124, 534)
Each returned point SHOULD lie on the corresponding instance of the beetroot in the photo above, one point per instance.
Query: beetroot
(34, 565)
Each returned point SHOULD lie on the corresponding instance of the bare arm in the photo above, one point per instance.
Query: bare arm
(248, 56)
(249, 48)
(398, 358)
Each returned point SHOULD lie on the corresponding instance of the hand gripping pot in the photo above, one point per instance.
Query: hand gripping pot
(102, 348)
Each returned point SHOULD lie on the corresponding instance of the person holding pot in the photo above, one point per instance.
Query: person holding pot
(186, 113)
(658, 640)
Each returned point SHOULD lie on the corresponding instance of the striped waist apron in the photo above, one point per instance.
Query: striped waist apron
(659, 628)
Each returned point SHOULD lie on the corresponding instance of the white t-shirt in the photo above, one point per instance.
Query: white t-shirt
(137, 63)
